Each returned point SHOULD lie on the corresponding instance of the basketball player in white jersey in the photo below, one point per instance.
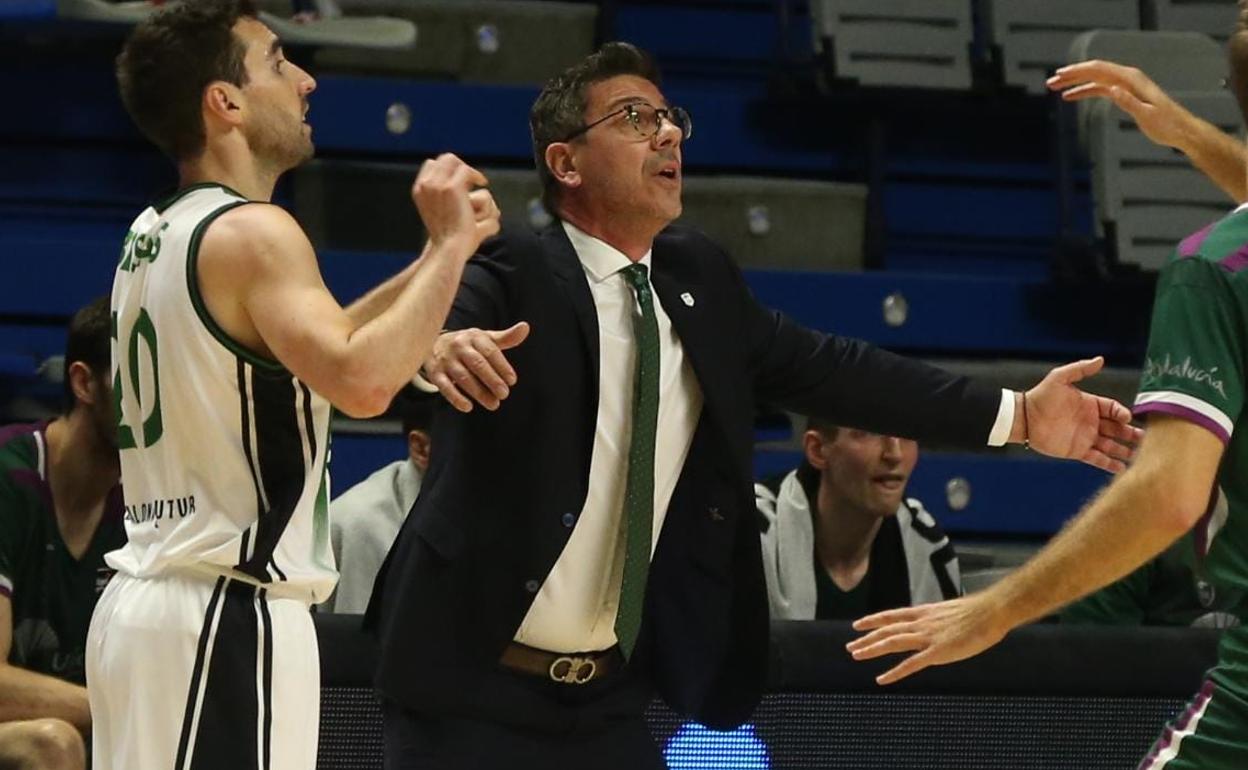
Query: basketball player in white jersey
(229, 352)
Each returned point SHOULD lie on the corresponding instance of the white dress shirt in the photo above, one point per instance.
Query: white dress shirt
(575, 608)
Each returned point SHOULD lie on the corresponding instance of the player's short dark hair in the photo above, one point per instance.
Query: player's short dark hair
(168, 61)
(560, 107)
(1237, 50)
(90, 333)
(827, 428)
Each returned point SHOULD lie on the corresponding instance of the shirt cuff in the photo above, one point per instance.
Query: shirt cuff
(1005, 420)
(425, 386)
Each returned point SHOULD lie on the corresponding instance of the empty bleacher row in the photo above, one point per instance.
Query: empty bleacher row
(923, 219)
(937, 43)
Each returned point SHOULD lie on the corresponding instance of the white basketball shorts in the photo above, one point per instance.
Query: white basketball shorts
(192, 673)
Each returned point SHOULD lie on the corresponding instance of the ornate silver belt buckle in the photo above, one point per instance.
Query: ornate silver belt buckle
(572, 669)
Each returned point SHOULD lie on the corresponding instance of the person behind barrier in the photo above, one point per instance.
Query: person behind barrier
(365, 519)
(60, 512)
(839, 536)
(1188, 481)
(230, 351)
(588, 537)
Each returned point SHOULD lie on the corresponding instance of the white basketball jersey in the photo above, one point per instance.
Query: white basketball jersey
(223, 452)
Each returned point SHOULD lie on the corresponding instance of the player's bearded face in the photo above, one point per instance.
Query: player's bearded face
(276, 92)
(279, 136)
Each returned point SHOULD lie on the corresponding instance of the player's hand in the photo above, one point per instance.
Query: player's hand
(1160, 118)
(485, 213)
(1063, 421)
(469, 365)
(935, 633)
(452, 208)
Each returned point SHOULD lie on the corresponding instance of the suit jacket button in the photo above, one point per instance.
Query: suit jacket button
(531, 586)
(713, 512)
(568, 519)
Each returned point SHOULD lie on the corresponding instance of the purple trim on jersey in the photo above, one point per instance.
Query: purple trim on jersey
(16, 430)
(1190, 245)
(1236, 261)
(6, 591)
(1198, 704)
(30, 478)
(1191, 415)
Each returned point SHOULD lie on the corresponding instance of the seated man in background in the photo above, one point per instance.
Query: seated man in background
(840, 538)
(60, 512)
(1164, 592)
(366, 518)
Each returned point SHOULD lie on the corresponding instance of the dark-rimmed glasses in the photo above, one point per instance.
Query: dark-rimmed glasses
(645, 120)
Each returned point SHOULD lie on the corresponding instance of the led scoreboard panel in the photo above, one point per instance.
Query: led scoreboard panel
(1049, 697)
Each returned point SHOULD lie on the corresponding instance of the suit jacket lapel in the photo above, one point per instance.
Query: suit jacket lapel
(567, 269)
(678, 289)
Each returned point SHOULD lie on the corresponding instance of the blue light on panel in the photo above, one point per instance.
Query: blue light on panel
(695, 747)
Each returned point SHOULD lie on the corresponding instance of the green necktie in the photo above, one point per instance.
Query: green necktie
(639, 488)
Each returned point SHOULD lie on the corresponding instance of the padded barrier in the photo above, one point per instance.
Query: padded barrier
(1048, 697)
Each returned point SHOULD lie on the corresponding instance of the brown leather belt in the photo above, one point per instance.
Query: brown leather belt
(564, 668)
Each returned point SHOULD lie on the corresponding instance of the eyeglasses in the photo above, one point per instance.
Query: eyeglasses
(645, 120)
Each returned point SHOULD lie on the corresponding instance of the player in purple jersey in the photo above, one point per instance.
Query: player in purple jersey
(1187, 481)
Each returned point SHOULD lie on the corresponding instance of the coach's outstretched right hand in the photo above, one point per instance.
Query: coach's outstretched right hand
(469, 365)
(455, 212)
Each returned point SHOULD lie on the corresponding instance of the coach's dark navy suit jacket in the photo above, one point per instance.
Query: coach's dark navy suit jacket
(492, 516)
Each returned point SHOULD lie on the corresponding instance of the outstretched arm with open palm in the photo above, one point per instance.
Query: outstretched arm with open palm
(1058, 419)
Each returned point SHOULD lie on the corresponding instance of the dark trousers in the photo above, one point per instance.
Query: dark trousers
(528, 722)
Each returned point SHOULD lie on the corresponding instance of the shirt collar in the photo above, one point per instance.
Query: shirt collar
(600, 259)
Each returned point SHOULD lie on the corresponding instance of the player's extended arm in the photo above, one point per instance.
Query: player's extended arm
(1163, 120)
(1135, 518)
(260, 280)
(29, 695)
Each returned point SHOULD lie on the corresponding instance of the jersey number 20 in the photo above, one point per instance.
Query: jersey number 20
(141, 353)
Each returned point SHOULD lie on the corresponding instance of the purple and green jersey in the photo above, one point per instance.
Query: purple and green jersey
(1195, 370)
(52, 593)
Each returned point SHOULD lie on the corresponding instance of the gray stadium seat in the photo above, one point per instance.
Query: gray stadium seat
(780, 224)
(1148, 198)
(372, 33)
(1032, 36)
(917, 43)
(1215, 18)
(1177, 61)
(775, 224)
(487, 41)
